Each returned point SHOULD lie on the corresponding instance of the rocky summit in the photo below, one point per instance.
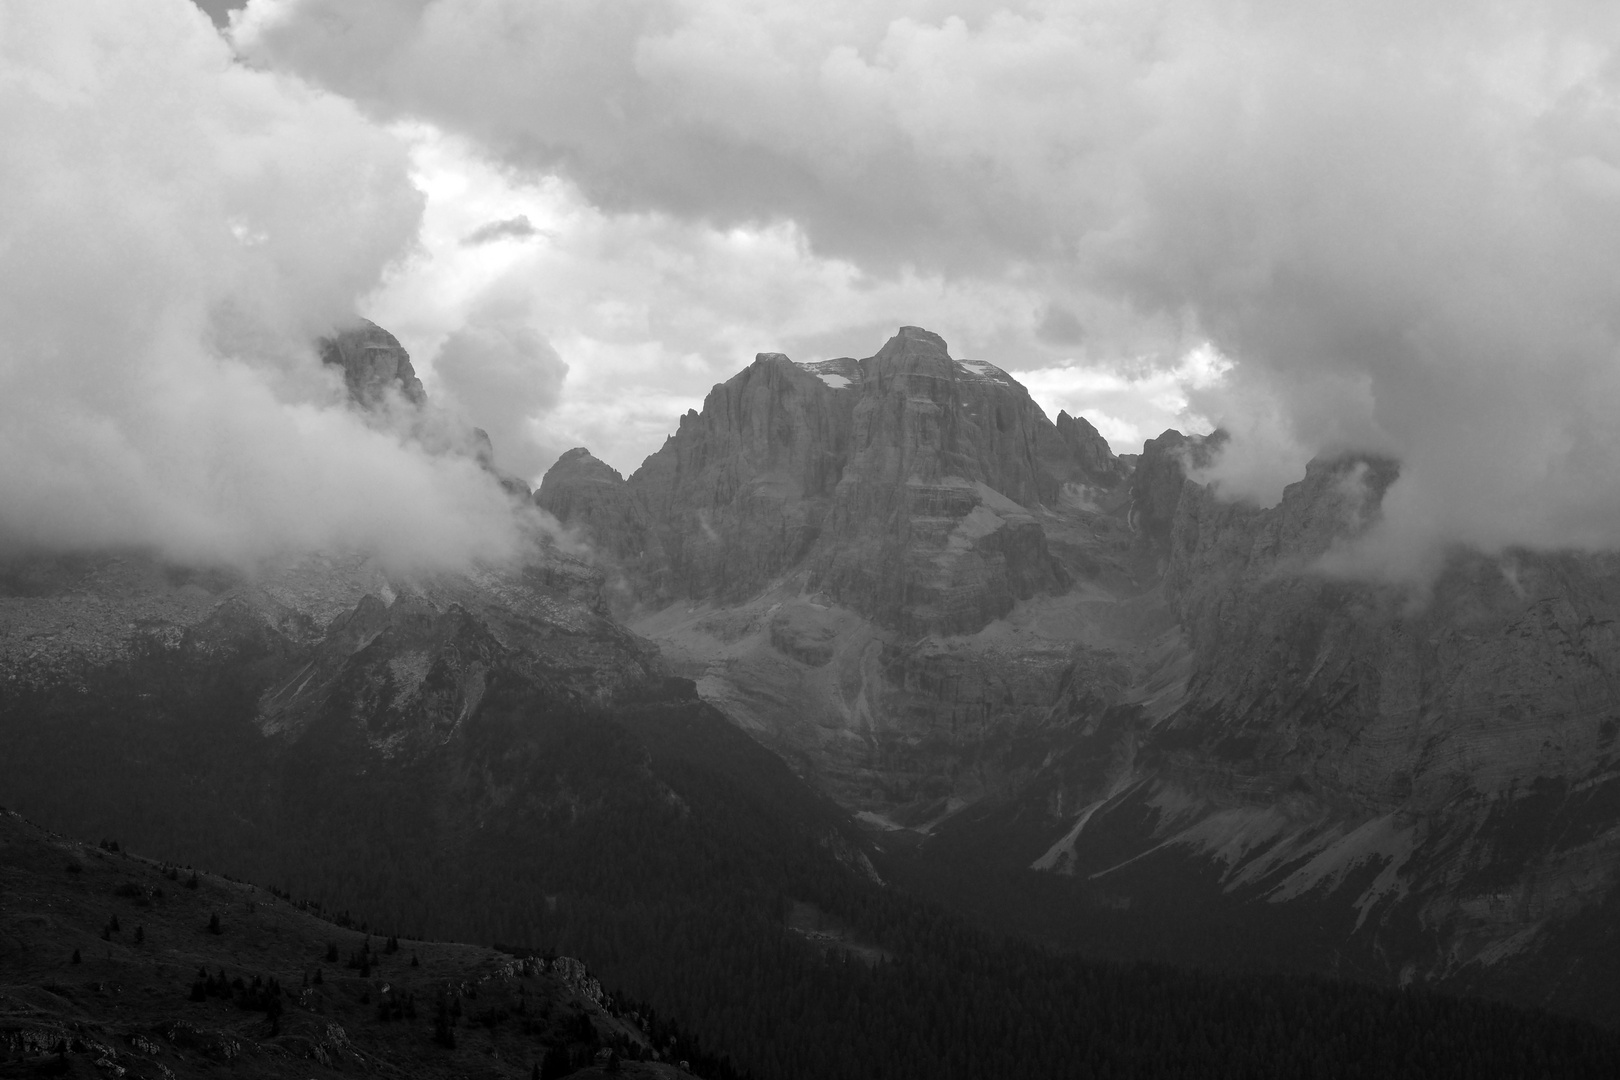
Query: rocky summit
(910, 487)
(1006, 648)
(374, 364)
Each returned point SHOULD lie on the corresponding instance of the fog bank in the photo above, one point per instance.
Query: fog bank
(175, 232)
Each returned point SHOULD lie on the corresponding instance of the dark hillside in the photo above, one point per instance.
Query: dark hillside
(662, 845)
(111, 964)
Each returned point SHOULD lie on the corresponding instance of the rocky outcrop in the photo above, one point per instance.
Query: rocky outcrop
(374, 365)
(591, 497)
(1093, 461)
(934, 515)
(741, 492)
(1156, 485)
(910, 486)
(377, 371)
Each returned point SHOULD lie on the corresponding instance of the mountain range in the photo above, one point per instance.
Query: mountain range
(870, 666)
(1011, 652)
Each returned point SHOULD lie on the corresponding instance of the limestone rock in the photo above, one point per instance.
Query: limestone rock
(1090, 453)
(374, 363)
(741, 491)
(588, 494)
(934, 509)
(909, 485)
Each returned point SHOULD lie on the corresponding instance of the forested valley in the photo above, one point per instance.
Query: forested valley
(666, 849)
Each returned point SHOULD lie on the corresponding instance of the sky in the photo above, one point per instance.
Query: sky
(1326, 227)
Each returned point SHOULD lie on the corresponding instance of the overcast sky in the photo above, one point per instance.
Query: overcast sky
(661, 190)
(1324, 225)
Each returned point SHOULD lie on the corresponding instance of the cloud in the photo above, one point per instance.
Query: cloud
(512, 228)
(647, 310)
(1132, 402)
(1401, 223)
(504, 376)
(178, 230)
(1060, 326)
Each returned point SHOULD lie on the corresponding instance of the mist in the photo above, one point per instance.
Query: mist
(176, 231)
(1399, 223)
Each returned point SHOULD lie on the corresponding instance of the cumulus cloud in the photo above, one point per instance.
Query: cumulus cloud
(177, 231)
(648, 310)
(1133, 401)
(504, 375)
(1399, 221)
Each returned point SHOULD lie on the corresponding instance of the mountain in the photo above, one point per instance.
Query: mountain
(897, 483)
(374, 365)
(491, 756)
(1082, 695)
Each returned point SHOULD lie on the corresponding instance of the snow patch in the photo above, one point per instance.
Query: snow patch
(1060, 856)
(837, 382)
(984, 370)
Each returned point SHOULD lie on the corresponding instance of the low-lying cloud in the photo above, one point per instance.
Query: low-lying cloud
(1401, 222)
(175, 232)
(499, 369)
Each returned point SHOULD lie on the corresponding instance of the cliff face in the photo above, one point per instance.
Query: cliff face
(374, 364)
(909, 486)
(883, 566)
(741, 491)
(934, 518)
(1090, 459)
(592, 498)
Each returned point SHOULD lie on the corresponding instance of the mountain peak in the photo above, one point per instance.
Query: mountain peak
(912, 341)
(373, 362)
(581, 463)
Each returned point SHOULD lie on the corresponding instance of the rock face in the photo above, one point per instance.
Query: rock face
(590, 496)
(1094, 461)
(909, 486)
(742, 490)
(876, 564)
(933, 521)
(374, 363)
